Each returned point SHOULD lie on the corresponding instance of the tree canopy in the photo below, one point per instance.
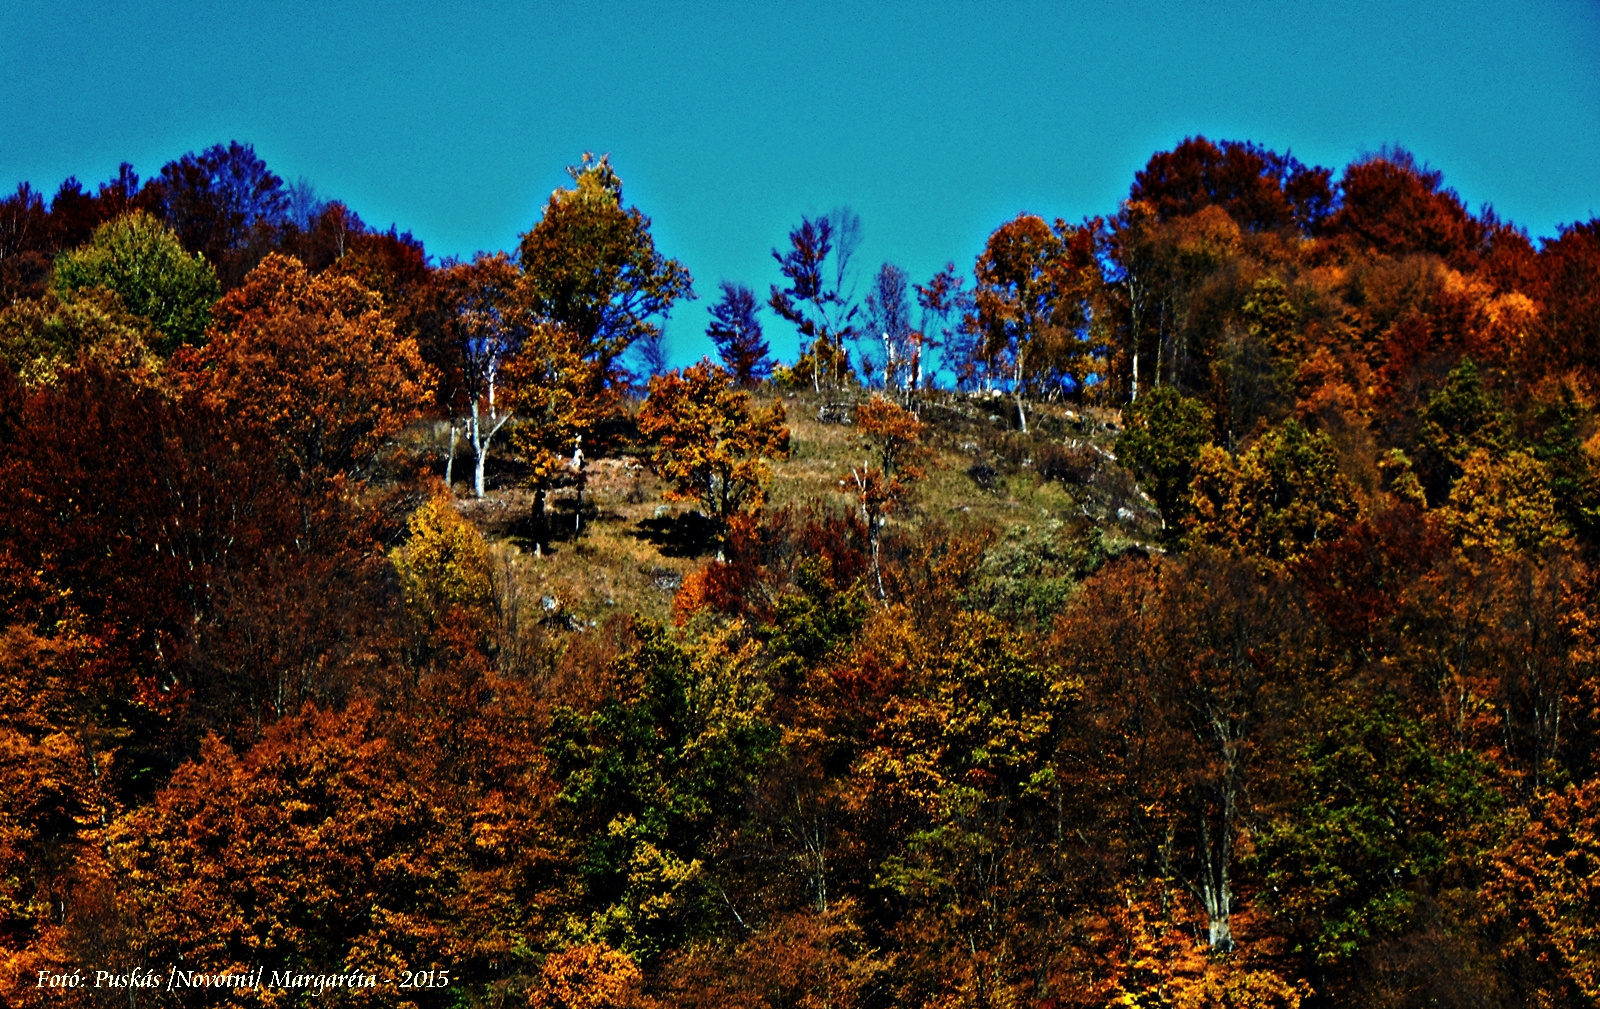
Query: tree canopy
(591, 265)
(1193, 606)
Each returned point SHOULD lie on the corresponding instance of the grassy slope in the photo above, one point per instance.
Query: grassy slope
(1054, 498)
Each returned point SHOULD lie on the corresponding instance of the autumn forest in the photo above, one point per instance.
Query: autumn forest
(1190, 606)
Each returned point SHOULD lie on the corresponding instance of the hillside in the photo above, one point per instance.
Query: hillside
(1194, 606)
(1055, 500)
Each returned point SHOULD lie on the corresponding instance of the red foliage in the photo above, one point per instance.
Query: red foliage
(1260, 189)
(1360, 580)
(760, 557)
(1393, 206)
(1569, 290)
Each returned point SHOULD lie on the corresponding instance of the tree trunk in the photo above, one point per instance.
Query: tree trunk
(475, 437)
(541, 522)
(1016, 388)
(480, 439)
(577, 513)
(1216, 888)
(450, 460)
(874, 534)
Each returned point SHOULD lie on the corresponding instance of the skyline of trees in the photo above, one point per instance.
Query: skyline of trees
(227, 206)
(1227, 637)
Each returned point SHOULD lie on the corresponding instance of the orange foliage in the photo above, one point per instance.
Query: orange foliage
(590, 976)
(313, 363)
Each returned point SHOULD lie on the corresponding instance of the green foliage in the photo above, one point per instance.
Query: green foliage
(141, 260)
(1027, 577)
(1461, 417)
(1271, 317)
(812, 622)
(965, 768)
(591, 266)
(1166, 431)
(1354, 752)
(40, 336)
(1254, 370)
(1284, 495)
(651, 772)
(1381, 808)
(1557, 439)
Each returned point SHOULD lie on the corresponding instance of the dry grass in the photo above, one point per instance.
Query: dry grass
(980, 472)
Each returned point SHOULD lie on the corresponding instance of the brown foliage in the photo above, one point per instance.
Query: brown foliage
(709, 443)
(312, 363)
(1395, 207)
(804, 960)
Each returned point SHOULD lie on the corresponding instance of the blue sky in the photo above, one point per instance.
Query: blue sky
(936, 122)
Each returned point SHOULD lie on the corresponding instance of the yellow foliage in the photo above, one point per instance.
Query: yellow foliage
(40, 336)
(591, 976)
(1222, 987)
(444, 564)
(1276, 500)
(1503, 505)
(709, 444)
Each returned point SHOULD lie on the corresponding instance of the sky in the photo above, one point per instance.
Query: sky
(936, 122)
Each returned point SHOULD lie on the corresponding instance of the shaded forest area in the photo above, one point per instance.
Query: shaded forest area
(1189, 607)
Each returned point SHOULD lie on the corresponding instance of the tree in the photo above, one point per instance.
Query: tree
(651, 352)
(708, 443)
(141, 260)
(1255, 369)
(1502, 504)
(444, 570)
(888, 319)
(57, 749)
(1376, 806)
(1457, 420)
(1169, 276)
(1259, 188)
(1166, 432)
(893, 435)
(312, 363)
(736, 331)
(650, 771)
(588, 976)
(943, 301)
(1278, 500)
(26, 244)
(1395, 207)
(1559, 428)
(315, 850)
(1031, 304)
(559, 400)
(224, 203)
(804, 959)
(815, 301)
(591, 266)
(1541, 893)
(1569, 292)
(332, 233)
(487, 325)
(961, 774)
(75, 214)
(40, 337)
(1189, 671)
